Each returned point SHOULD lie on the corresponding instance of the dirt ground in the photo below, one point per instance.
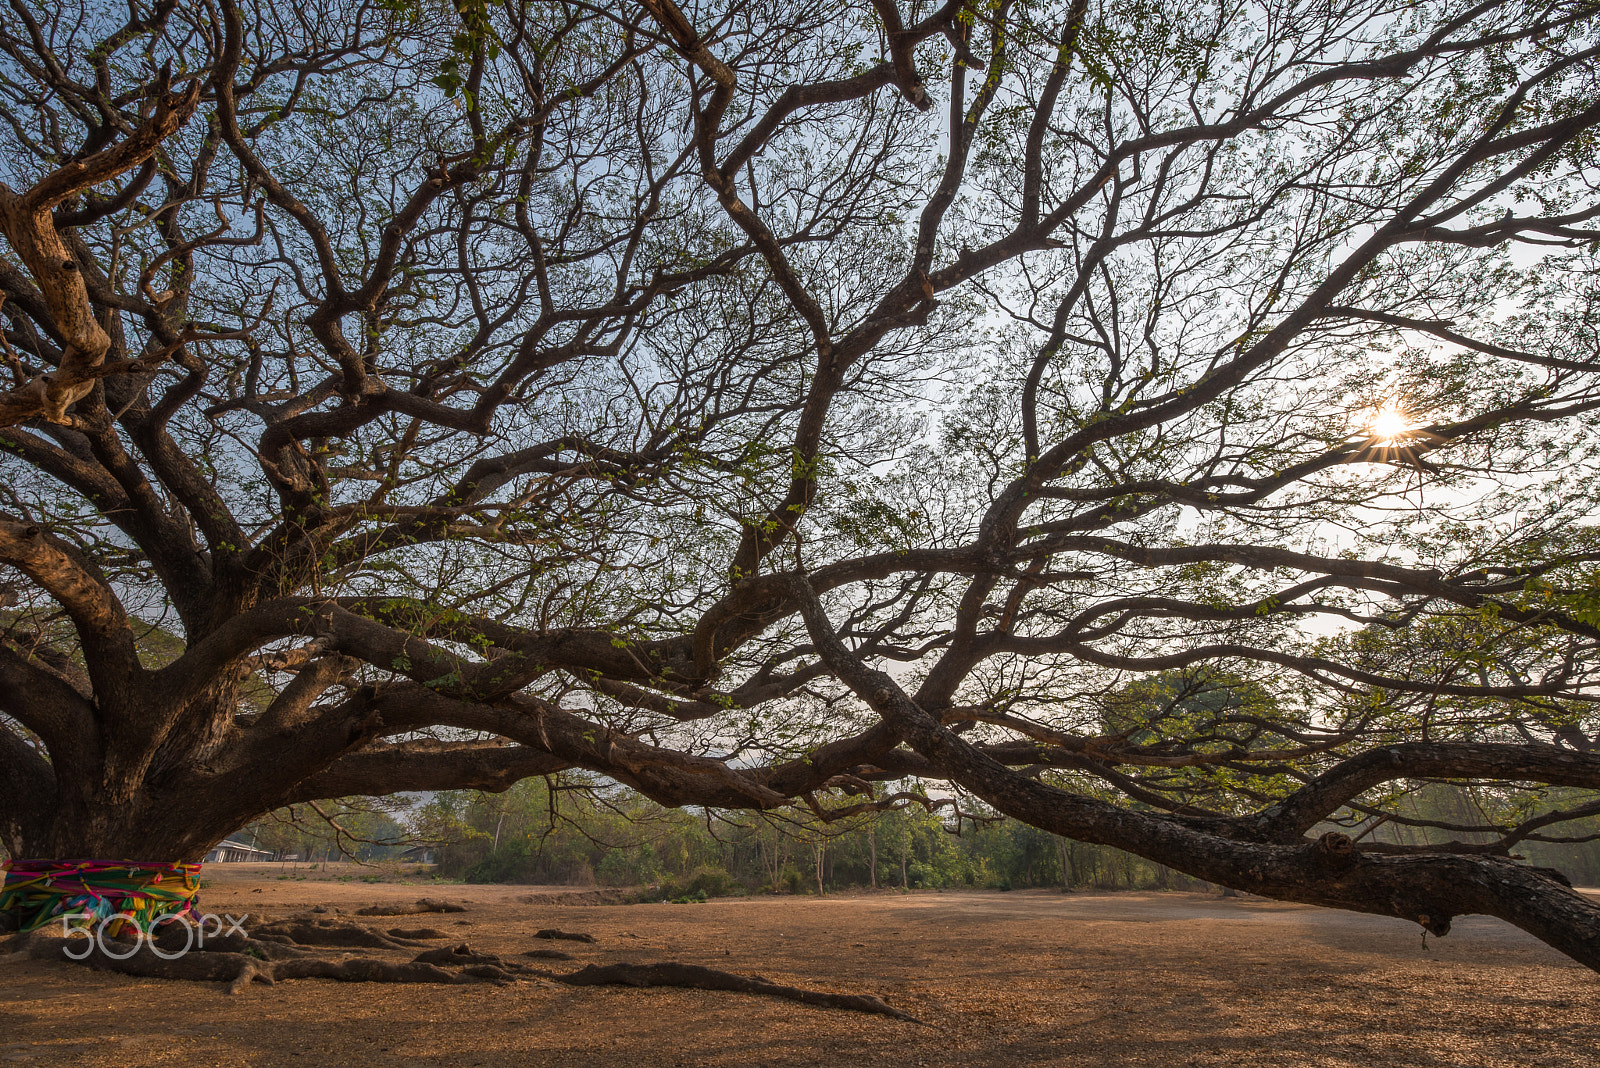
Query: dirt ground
(1027, 978)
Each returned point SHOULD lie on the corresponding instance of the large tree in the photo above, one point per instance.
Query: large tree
(756, 402)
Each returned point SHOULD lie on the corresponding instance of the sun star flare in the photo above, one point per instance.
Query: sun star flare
(1388, 425)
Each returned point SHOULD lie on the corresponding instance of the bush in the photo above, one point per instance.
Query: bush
(513, 862)
(575, 872)
(702, 884)
(630, 867)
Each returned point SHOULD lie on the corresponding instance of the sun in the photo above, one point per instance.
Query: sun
(1388, 425)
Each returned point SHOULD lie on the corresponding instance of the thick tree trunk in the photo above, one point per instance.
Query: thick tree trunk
(111, 822)
(147, 829)
(150, 785)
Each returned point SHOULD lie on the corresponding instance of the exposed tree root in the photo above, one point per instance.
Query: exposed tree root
(220, 966)
(237, 960)
(218, 963)
(416, 933)
(174, 940)
(548, 954)
(330, 933)
(364, 970)
(425, 904)
(461, 955)
(696, 977)
(551, 932)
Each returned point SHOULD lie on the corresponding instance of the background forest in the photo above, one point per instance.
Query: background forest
(570, 829)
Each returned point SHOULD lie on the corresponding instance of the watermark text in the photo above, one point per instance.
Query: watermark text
(83, 935)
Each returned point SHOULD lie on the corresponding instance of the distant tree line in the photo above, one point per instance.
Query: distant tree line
(577, 830)
(558, 830)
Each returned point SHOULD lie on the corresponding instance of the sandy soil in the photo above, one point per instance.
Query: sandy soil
(1024, 978)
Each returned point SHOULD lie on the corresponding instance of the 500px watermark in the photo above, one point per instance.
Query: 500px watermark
(76, 926)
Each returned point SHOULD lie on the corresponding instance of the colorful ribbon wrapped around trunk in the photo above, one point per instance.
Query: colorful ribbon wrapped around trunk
(93, 892)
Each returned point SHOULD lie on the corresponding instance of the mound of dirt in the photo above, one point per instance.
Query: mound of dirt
(608, 896)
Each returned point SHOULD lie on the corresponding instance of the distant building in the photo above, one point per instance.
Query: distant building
(229, 851)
